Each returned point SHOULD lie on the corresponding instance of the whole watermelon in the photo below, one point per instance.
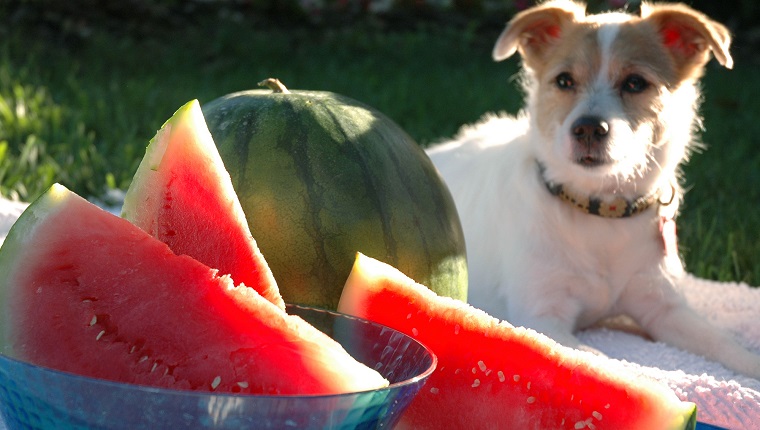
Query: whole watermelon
(321, 177)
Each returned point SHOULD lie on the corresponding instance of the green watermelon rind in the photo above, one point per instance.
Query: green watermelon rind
(15, 242)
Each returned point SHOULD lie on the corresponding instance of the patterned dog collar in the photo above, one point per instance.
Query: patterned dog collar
(617, 208)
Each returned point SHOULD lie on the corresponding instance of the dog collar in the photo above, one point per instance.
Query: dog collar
(618, 208)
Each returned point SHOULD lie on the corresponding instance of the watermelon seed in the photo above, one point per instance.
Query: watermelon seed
(482, 366)
(474, 371)
(215, 383)
(476, 383)
(94, 320)
(456, 329)
(242, 384)
(143, 358)
(501, 376)
(434, 390)
(409, 315)
(597, 415)
(528, 386)
(516, 378)
(153, 369)
(102, 332)
(415, 332)
(531, 399)
(607, 406)
(131, 350)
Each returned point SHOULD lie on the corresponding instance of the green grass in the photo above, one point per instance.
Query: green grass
(81, 111)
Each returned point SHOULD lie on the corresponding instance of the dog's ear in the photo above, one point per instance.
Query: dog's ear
(532, 31)
(689, 36)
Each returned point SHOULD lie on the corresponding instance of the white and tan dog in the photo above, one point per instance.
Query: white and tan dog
(568, 208)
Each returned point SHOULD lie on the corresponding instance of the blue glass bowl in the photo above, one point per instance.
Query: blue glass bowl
(41, 398)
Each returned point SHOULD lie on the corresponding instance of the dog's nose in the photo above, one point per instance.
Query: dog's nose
(590, 129)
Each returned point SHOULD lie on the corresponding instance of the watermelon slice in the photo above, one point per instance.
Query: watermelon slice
(84, 291)
(493, 375)
(182, 195)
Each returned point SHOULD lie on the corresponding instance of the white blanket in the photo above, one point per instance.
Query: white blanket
(723, 398)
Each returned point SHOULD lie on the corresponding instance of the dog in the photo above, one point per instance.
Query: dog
(568, 208)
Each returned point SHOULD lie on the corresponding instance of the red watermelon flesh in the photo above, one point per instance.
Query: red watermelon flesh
(182, 195)
(493, 375)
(87, 292)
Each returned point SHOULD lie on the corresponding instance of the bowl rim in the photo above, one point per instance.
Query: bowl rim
(75, 377)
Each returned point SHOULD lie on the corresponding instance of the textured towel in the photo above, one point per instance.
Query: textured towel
(723, 398)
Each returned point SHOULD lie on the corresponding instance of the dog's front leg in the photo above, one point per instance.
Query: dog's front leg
(555, 320)
(658, 308)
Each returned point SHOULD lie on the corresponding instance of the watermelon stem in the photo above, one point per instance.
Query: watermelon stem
(275, 85)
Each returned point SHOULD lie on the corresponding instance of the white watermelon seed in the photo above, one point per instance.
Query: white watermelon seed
(456, 329)
(434, 390)
(409, 315)
(153, 369)
(502, 378)
(597, 415)
(476, 383)
(415, 332)
(243, 384)
(215, 383)
(102, 332)
(516, 378)
(531, 399)
(482, 366)
(143, 358)
(94, 320)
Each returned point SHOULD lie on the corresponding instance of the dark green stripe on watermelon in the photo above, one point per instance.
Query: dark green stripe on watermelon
(320, 177)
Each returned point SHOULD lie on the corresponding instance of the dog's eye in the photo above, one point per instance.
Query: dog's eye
(634, 84)
(565, 81)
